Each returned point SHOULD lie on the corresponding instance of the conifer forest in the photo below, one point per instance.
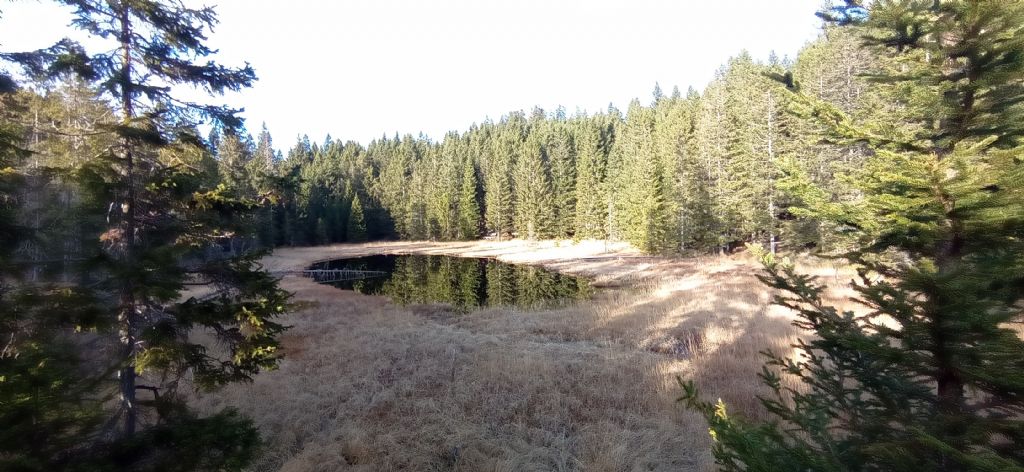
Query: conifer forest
(154, 315)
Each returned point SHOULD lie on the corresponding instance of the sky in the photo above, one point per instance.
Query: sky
(360, 69)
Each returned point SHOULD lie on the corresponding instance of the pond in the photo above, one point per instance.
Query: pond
(465, 283)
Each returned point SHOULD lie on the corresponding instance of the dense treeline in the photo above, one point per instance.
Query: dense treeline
(683, 172)
(129, 276)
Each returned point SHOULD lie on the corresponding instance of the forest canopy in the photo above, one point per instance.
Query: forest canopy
(675, 173)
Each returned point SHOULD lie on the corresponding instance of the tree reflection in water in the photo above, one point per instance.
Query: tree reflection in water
(466, 283)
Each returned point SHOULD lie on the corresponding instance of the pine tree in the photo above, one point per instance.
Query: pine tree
(264, 158)
(234, 153)
(561, 155)
(638, 202)
(744, 180)
(262, 171)
(707, 210)
(469, 207)
(47, 410)
(532, 183)
(591, 163)
(163, 219)
(393, 187)
(929, 376)
(498, 197)
(835, 69)
(442, 195)
(355, 229)
(673, 130)
(657, 95)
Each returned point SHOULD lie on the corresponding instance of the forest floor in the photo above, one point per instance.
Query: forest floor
(370, 385)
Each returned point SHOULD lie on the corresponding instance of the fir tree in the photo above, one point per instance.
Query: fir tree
(657, 95)
(928, 377)
(442, 195)
(47, 408)
(638, 206)
(469, 207)
(532, 185)
(561, 155)
(262, 171)
(673, 129)
(161, 218)
(591, 163)
(355, 230)
(498, 190)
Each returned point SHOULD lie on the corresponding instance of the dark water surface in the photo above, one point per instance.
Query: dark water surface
(465, 283)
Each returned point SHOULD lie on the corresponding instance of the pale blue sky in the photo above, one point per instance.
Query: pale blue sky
(358, 69)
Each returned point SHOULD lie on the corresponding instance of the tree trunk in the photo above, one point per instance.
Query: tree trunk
(127, 314)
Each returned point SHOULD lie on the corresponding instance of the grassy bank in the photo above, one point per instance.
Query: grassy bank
(370, 385)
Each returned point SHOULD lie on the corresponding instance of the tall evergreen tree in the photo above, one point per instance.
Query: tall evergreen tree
(262, 171)
(835, 69)
(442, 195)
(532, 183)
(561, 154)
(162, 218)
(638, 205)
(498, 190)
(706, 169)
(929, 377)
(673, 130)
(355, 229)
(264, 157)
(591, 164)
(469, 206)
(47, 409)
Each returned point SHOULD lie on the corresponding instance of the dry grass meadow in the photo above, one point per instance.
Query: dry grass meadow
(369, 385)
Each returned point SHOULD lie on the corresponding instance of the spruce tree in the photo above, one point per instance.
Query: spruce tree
(469, 207)
(929, 375)
(163, 219)
(498, 197)
(47, 409)
(442, 195)
(591, 166)
(673, 130)
(834, 68)
(637, 200)
(561, 154)
(532, 184)
(355, 230)
(262, 171)
(706, 170)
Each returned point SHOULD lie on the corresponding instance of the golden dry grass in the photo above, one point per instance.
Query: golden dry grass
(369, 385)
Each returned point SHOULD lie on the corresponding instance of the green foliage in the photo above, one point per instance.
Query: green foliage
(687, 173)
(591, 207)
(356, 227)
(928, 377)
(227, 440)
(48, 404)
(532, 183)
(142, 208)
(469, 206)
(639, 213)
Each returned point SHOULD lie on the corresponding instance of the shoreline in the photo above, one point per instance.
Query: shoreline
(367, 384)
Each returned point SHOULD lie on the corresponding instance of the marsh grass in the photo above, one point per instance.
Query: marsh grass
(369, 385)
